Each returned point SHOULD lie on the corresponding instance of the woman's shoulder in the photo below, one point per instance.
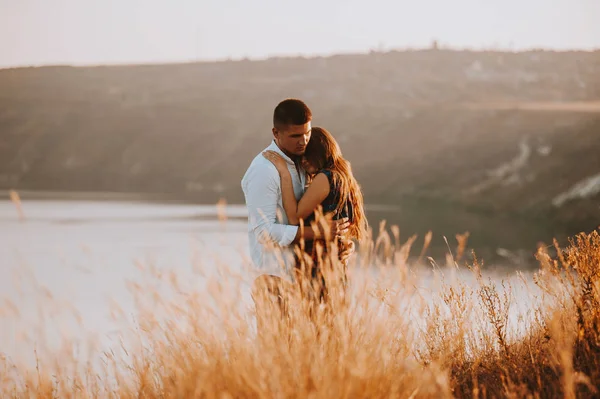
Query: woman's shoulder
(327, 173)
(320, 183)
(322, 177)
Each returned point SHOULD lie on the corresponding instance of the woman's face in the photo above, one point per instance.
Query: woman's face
(309, 167)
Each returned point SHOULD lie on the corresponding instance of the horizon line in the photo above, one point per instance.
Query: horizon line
(309, 56)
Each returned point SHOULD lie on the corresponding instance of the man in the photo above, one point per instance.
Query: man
(271, 238)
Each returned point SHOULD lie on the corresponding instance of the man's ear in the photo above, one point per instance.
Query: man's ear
(275, 133)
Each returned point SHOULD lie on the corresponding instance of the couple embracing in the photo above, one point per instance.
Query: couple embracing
(304, 204)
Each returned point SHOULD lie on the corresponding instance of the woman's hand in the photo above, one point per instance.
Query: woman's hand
(277, 160)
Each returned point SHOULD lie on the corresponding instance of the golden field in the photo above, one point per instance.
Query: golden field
(365, 342)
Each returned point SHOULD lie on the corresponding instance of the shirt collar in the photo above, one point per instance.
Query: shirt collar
(274, 147)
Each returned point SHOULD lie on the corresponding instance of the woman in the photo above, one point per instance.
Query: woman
(332, 187)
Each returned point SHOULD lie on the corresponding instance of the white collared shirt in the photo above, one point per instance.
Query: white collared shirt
(269, 234)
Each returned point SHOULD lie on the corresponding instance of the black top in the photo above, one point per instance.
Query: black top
(330, 203)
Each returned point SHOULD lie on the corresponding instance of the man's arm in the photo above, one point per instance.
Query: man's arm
(262, 196)
(336, 228)
(305, 232)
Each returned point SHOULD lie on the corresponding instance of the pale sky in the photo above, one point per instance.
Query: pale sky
(82, 32)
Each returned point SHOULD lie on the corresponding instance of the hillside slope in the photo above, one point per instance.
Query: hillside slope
(406, 120)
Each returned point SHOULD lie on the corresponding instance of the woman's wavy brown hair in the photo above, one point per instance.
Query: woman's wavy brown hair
(324, 152)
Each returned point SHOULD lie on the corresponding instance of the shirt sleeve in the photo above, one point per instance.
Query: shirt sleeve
(262, 196)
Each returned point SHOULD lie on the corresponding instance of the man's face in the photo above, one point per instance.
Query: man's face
(292, 139)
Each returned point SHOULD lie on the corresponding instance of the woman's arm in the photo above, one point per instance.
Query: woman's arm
(313, 197)
(310, 201)
(288, 197)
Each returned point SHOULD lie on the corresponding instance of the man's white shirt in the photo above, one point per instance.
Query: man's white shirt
(269, 234)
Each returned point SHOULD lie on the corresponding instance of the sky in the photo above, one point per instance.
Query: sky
(93, 32)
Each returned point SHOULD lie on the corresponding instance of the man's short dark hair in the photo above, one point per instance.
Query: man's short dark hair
(291, 112)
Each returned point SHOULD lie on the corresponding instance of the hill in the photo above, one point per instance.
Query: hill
(504, 145)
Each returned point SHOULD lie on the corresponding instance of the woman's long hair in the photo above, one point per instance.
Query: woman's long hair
(324, 152)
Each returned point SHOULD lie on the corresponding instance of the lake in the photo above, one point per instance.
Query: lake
(68, 263)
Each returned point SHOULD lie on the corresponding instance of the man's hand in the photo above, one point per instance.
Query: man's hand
(347, 248)
(339, 230)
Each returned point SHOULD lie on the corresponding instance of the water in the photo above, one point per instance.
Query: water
(83, 253)
(63, 267)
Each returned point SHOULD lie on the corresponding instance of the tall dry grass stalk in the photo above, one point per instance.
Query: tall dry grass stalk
(381, 335)
(16, 200)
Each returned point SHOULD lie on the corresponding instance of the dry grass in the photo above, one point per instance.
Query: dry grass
(381, 338)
